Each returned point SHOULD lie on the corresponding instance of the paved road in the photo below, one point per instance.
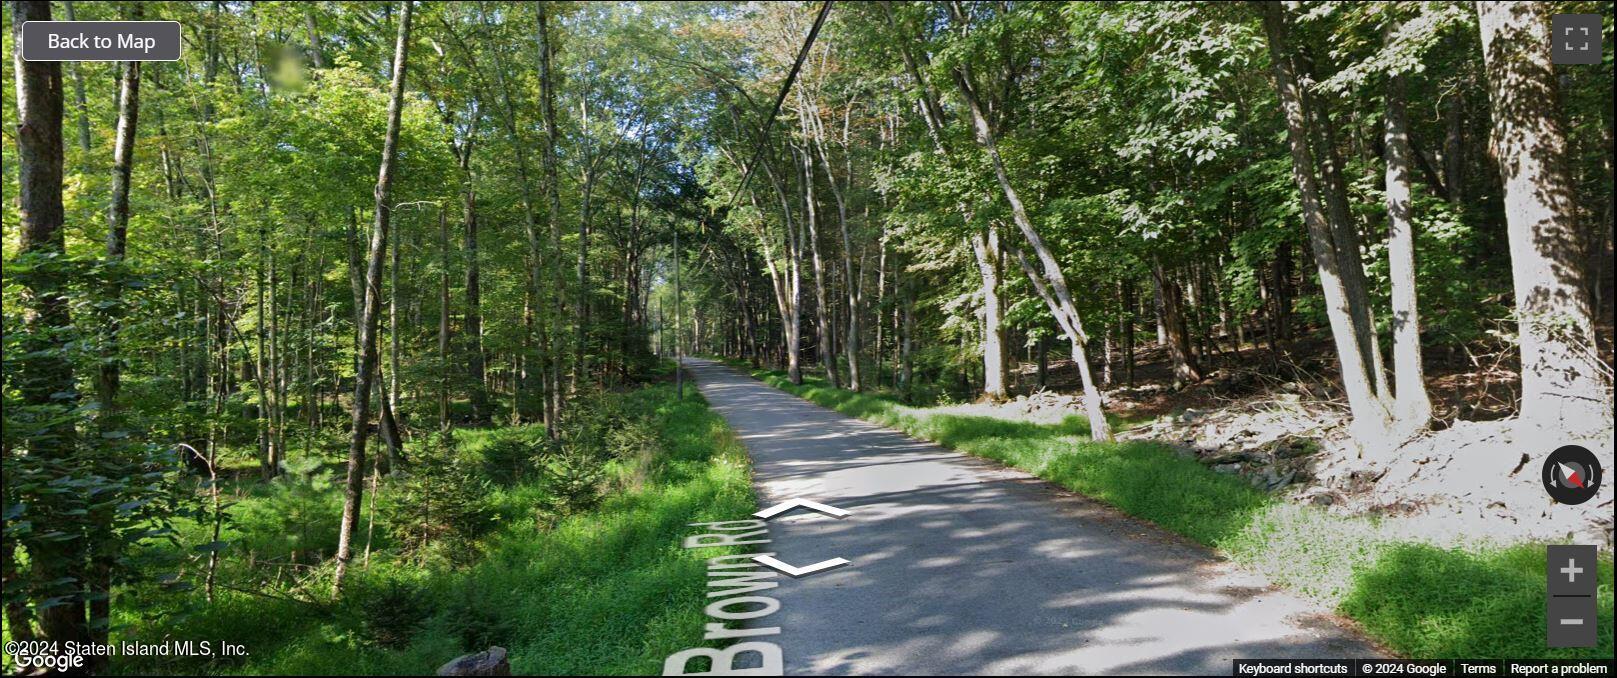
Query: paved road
(961, 565)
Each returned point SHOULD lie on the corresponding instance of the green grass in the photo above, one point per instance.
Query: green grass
(1417, 600)
(609, 591)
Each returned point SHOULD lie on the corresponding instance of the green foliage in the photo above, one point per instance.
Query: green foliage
(608, 591)
(1137, 134)
(585, 427)
(392, 613)
(638, 448)
(1458, 305)
(513, 455)
(440, 501)
(82, 485)
(599, 429)
(574, 482)
(294, 517)
(472, 616)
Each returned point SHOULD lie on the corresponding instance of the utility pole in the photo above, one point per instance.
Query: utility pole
(679, 347)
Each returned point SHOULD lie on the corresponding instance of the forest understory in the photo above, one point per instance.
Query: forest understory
(1278, 420)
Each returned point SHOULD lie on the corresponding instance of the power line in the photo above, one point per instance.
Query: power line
(785, 87)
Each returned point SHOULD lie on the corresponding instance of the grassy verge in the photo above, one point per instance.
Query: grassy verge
(607, 591)
(1418, 600)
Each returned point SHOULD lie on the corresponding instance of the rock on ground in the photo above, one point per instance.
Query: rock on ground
(490, 662)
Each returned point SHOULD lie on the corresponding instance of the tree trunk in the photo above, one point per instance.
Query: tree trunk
(1282, 293)
(1412, 409)
(986, 251)
(1044, 362)
(822, 320)
(79, 103)
(906, 344)
(388, 426)
(789, 291)
(45, 378)
(551, 367)
(476, 358)
(443, 319)
(1129, 304)
(1563, 387)
(1370, 416)
(1344, 233)
(581, 318)
(277, 372)
(881, 298)
(316, 52)
(1172, 317)
(393, 328)
(1454, 149)
(1106, 356)
(123, 158)
(1194, 314)
(354, 487)
(849, 273)
(1099, 428)
(260, 357)
(1156, 306)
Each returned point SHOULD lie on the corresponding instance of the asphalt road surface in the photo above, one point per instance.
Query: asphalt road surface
(961, 565)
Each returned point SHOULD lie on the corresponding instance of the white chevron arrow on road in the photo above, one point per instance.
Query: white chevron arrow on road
(821, 566)
(785, 506)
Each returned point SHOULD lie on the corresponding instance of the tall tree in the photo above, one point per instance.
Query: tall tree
(1049, 279)
(815, 133)
(476, 358)
(990, 259)
(788, 285)
(81, 105)
(123, 160)
(364, 379)
(530, 224)
(1563, 383)
(547, 113)
(45, 373)
(1412, 409)
(1370, 416)
(826, 330)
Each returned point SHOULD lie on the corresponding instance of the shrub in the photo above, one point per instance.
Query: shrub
(438, 499)
(513, 456)
(573, 482)
(472, 616)
(391, 614)
(585, 426)
(293, 517)
(592, 430)
(639, 447)
(635, 438)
